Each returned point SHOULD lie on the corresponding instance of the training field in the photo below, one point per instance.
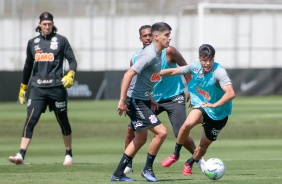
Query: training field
(250, 145)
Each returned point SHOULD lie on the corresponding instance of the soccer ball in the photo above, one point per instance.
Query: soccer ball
(214, 168)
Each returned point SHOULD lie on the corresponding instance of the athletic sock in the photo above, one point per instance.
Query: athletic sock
(23, 152)
(125, 159)
(130, 164)
(191, 161)
(177, 149)
(150, 161)
(69, 152)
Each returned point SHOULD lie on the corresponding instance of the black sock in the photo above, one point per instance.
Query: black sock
(150, 161)
(191, 161)
(130, 164)
(22, 152)
(125, 159)
(177, 149)
(69, 152)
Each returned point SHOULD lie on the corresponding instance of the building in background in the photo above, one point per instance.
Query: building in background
(246, 35)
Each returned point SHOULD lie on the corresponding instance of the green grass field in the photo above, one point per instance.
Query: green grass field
(250, 145)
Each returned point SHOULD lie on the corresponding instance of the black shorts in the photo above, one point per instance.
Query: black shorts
(54, 97)
(140, 114)
(212, 127)
(176, 111)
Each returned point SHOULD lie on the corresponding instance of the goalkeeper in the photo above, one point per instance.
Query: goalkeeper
(45, 56)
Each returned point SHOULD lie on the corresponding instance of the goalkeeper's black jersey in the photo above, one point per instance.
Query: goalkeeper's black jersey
(45, 59)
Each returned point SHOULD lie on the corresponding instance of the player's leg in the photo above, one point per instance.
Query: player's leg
(128, 138)
(137, 110)
(36, 105)
(211, 130)
(194, 118)
(58, 103)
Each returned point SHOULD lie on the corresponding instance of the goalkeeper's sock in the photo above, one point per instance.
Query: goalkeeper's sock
(69, 152)
(23, 152)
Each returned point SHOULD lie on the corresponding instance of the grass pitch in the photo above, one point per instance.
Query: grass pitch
(250, 145)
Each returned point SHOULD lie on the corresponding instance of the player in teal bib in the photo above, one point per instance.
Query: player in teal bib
(211, 94)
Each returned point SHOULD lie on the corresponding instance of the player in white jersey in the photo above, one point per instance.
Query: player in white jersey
(138, 83)
(211, 94)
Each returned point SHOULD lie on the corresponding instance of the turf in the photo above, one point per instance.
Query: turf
(250, 145)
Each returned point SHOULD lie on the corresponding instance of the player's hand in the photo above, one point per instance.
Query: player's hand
(154, 105)
(122, 108)
(206, 104)
(22, 93)
(68, 79)
(188, 100)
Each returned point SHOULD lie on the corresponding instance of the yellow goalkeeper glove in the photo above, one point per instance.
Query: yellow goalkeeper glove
(22, 93)
(68, 79)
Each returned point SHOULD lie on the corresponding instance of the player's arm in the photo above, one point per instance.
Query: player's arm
(224, 82)
(124, 87)
(228, 95)
(68, 79)
(28, 66)
(130, 63)
(173, 55)
(154, 104)
(69, 55)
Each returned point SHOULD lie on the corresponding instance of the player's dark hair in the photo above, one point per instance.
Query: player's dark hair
(144, 27)
(46, 16)
(206, 50)
(160, 26)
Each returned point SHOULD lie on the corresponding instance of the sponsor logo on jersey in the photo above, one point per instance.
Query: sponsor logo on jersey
(157, 95)
(205, 94)
(155, 77)
(60, 105)
(40, 81)
(137, 124)
(179, 98)
(44, 57)
(215, 132)
(158, 63)
(36, 47)
(147, 93)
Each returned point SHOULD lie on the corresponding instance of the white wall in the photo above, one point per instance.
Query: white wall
(105, 43)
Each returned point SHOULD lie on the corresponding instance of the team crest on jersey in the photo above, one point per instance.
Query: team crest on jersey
(153, 119)
(36, 40)
(156, 77)
(54, 45)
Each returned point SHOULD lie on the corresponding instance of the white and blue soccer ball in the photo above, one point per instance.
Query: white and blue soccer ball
(214, 168)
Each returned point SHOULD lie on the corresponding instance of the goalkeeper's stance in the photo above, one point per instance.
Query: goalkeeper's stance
(44, 61)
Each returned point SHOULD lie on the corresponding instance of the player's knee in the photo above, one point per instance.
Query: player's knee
(31, 121)
(139, 142)
(203, 148)
(63, 121)
(162, 134)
